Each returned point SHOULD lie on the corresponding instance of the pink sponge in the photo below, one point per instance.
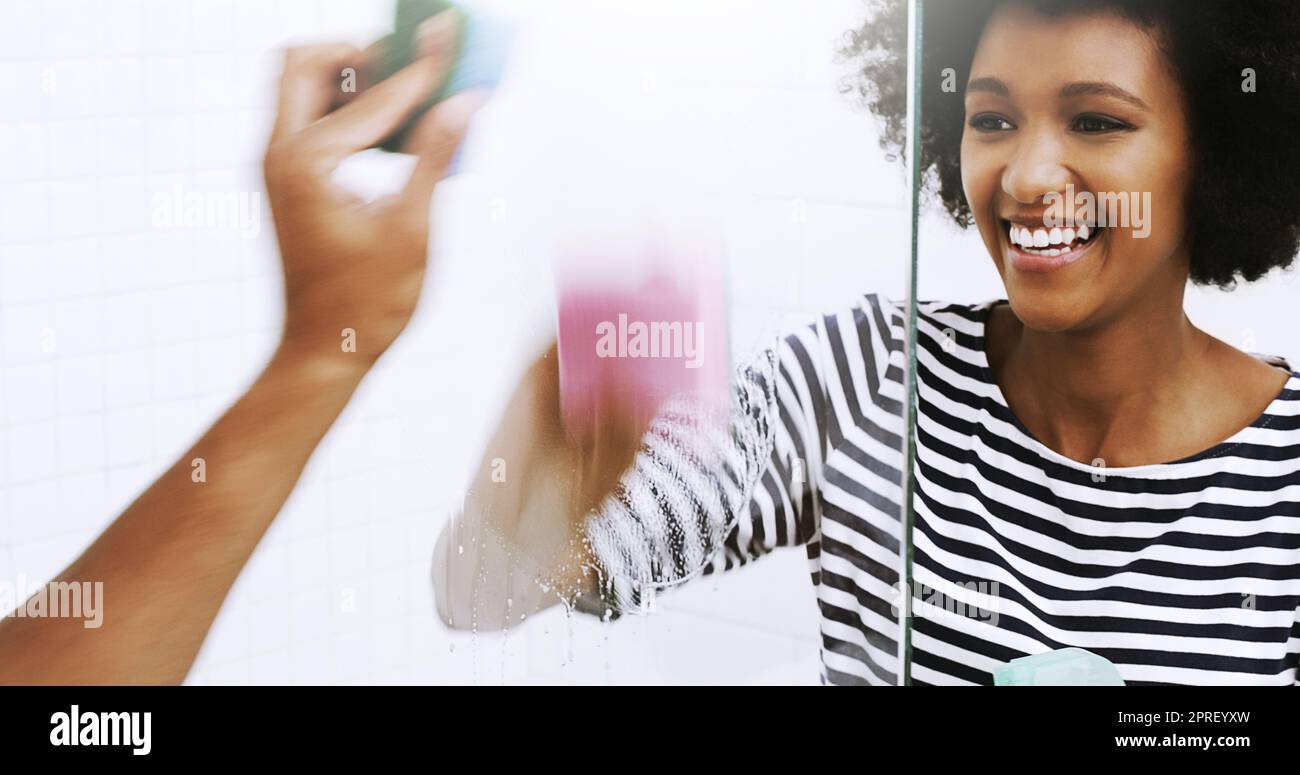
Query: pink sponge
(634, 339)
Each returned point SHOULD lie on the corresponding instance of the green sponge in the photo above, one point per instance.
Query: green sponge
(397, 50)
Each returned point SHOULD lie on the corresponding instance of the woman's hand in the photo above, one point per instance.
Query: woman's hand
(169, 559)
(353, 271)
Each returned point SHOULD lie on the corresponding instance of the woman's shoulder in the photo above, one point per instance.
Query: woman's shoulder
(1282, 405)
(937, 319)
(882, 320)
(883, 310)
(869, 336)
(1277, 362)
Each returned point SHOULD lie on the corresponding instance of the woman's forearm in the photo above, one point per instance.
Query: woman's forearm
(518, 545)
(168, 561)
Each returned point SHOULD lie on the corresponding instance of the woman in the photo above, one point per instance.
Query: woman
(1103, 472)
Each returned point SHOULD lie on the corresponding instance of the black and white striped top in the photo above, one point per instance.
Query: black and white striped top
(1179, 573)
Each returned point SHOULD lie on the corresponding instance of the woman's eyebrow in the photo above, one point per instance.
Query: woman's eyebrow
(989, 85)
(1100, 89)
(994, 86)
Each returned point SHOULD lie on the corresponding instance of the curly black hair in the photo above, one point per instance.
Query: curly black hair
(1246, 154)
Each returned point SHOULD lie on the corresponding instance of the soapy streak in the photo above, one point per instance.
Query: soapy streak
(665, 340)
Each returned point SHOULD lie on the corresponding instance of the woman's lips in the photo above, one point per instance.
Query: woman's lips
(1025, 261)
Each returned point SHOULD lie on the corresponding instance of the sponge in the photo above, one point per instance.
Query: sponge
(480, 52)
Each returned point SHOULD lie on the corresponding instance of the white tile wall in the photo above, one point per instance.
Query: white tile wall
(121, 342)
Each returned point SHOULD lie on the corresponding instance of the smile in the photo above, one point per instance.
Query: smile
(1041, 249)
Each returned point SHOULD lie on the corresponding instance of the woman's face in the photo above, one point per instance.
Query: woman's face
(1083, 101)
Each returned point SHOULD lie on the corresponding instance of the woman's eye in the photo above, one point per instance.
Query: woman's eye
(1094, 124)
(990, 122)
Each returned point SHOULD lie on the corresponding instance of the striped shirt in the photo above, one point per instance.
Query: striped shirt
(1179, 573)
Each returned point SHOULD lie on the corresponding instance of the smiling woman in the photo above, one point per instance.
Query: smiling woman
(1151, 111)
(1113, 477)
(1211, 60)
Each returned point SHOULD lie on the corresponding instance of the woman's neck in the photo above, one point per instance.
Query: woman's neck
(1122, 390)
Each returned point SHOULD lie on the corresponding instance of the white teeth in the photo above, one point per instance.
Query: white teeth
(1059, 240)
(1054, 242)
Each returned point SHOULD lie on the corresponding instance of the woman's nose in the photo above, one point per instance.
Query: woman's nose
(1035, 169)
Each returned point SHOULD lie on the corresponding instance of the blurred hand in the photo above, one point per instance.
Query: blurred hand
(348, 264)
(520, 545)
(539, 505)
